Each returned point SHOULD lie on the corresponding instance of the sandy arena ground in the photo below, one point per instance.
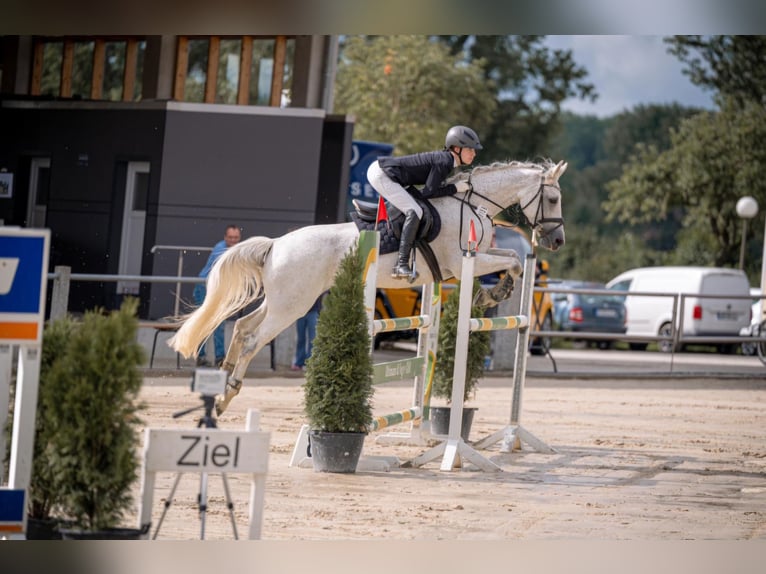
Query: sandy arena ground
(635, 459)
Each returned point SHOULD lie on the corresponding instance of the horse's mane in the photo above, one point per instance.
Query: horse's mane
(543, 166)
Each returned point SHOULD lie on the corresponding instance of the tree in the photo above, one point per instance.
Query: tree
(531, 82)
(408, 91)
(338, 390)
(730, 65)
(715, 158)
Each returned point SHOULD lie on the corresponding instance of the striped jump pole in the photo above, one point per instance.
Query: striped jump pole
(419, 368)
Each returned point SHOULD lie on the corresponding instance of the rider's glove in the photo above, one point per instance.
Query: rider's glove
(462, 186)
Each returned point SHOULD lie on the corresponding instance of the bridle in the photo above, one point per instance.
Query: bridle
(539, 220)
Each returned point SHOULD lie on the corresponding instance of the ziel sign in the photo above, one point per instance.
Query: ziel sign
(207, 450)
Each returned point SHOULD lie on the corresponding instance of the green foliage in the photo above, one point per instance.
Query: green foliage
(90, 398)
(531, 82)
(730, 65)
(478, 348)
(43, 490)
(408, 91)
(715, 158)
(338, 389)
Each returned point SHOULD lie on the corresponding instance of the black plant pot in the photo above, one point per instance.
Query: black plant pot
(440, 417)
(104, 534)
(335, 451)
(43, 529)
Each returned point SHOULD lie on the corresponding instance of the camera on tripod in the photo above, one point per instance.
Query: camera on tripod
(209, 382)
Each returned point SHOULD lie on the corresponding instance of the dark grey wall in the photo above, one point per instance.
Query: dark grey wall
(89, 146)
(264, 169)
(257, 168)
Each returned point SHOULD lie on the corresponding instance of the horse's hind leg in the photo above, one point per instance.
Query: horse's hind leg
(242, 327)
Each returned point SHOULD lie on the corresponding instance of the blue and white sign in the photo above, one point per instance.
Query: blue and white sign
(23, 283)
(362, 155)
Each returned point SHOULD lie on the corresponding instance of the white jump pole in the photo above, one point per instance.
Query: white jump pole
(513, 434)
(454, 449)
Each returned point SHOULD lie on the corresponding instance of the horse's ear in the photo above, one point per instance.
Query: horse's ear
(559, 170)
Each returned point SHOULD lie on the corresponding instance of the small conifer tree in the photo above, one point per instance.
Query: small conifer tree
(338, 389)
(91, 401)
(43, 491)
(478, 348)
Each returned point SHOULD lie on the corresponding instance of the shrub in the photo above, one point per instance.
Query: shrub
(338, 388)
(478, 348)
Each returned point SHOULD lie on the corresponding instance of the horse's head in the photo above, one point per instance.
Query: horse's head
(542, 207)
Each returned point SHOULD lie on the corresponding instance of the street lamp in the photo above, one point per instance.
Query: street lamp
(747, 208)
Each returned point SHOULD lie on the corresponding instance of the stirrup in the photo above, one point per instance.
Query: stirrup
(401, 272)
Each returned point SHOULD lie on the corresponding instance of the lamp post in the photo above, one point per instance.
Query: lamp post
(747, 208)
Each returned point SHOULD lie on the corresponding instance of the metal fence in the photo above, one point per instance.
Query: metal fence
(676, 337)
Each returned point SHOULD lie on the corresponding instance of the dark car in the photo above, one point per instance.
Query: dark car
(588, 312)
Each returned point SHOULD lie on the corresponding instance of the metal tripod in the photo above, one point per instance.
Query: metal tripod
(207, 421)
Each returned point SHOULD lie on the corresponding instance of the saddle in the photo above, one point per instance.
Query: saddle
(364, 216)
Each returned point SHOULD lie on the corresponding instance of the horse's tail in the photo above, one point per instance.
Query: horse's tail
(234, 282)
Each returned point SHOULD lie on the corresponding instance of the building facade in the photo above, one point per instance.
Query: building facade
(132, 148)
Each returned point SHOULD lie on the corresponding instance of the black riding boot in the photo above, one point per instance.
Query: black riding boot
(409, 232)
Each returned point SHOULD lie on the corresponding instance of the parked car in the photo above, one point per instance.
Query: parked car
(703, 316)
(588, 312)
(541, 317)
(754, 328)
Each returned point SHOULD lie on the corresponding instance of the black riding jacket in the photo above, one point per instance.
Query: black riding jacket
(428, 169)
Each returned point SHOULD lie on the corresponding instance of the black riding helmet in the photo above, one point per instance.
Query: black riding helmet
(462, 136)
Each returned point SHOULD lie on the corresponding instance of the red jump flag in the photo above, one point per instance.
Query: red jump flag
(471, 236)
(382, 214)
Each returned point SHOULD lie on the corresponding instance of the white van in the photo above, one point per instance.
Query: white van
(703, 316)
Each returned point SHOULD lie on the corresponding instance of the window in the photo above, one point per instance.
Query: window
(245, 70)
(90, 68)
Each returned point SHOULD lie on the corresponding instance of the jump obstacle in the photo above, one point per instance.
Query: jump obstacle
(454, 448)
(421, 367)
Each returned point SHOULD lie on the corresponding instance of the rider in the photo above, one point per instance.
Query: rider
(391, 175)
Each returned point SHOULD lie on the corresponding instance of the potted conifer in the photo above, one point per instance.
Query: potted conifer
(338, 389)
(478, 349)
(90, 400)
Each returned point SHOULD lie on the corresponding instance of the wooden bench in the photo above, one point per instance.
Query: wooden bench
(159, 327)
(163, 327)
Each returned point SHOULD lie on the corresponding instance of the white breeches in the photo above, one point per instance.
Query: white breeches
(392, 191)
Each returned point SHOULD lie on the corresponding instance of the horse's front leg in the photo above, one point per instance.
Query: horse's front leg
(497, 260)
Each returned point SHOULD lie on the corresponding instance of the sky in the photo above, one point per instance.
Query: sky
(627, 71)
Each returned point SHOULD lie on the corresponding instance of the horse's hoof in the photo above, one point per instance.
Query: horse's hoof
(232, 389)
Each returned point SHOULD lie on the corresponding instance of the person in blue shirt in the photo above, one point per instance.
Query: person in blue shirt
(390, 176)
(306, 328)
(231, 237)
